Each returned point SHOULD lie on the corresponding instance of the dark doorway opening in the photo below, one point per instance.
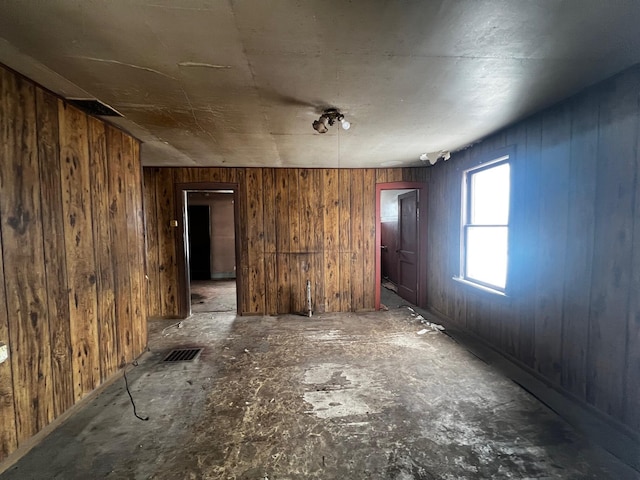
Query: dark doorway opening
(401, 241)
(208, 250)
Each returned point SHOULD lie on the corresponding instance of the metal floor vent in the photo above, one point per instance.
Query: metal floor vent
(183, 355)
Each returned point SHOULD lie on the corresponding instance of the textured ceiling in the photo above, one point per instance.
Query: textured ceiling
(239, 82)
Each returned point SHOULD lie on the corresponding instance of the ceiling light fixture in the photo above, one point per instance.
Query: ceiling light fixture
(328, 118)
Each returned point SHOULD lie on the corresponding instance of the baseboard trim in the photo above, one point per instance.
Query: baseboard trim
(33, 441)
(600, 429)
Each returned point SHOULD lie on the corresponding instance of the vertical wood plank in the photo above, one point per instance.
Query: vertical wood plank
(135, 240)
(344, 232)
(331, 240)
(270, 239)
(23, 256)
(357, 239)
(22, 238)
(296, 263)
(167, 267)
(281, 214)
(255, 237)
(120, 247)
(54, 251)
(616, 170)
(106, 312)
(631, 393)
(152, 255)
(8, 431)
(243, 281)
(579, 249)
(529, 246)
(552, 237)
(369, 240)
(79, 245)
(317, 241)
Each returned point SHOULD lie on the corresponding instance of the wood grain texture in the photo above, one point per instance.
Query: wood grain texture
(8, 431)
(106, 312)
(254, 217)
(295, 225)
(331, 240)
(154, 303)
(369, 238)
(79, 245)
(54, 251)
(56, 272)
(23, 258)
(135, 244)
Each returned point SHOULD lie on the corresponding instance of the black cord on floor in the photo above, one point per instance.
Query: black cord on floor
(126, 384)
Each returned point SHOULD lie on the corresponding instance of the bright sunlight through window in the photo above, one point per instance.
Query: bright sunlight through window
(485, 229)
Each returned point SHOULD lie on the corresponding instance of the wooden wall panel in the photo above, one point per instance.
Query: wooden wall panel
(106, 310)
(295, 225)
(346, 259)
(553, 204)
(79, 245)
(135, 244)
(23, 258)
(119, 224)
(167, 267)
(613, 243)
(331, 240)
(369, 237)
(254, 215)
(572, 313)
(8, 430)
(152, 216)
(55, 210)
(54, 251)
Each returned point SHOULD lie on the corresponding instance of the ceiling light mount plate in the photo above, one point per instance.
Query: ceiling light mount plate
(329, 117)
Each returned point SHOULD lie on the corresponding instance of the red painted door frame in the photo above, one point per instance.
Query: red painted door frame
(422, 237)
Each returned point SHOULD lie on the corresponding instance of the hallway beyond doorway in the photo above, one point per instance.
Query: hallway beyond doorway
(213, 296)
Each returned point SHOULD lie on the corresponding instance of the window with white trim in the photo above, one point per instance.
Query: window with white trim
(485, 224)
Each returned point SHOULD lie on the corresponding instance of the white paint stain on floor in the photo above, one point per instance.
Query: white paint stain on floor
(337, 391)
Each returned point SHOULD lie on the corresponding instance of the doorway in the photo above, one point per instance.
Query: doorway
(211, 251)
(401, 241)
(208, 248)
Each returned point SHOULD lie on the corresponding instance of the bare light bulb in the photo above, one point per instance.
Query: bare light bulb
(345, 125)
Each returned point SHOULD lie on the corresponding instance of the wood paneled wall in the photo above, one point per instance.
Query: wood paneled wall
(72, 256)
(574, 309)
(295, 224)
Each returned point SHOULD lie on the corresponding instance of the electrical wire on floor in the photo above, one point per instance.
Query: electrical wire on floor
(177, 324)
(126, 384)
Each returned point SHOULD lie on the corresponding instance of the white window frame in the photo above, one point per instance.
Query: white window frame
(466, 223)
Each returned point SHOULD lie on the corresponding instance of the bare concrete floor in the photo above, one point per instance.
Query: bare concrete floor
(335, 396)
(213, 296)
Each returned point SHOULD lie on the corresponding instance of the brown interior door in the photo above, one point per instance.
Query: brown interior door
(408, 246)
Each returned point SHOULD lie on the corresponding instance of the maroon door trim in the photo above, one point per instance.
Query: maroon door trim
(422, 240)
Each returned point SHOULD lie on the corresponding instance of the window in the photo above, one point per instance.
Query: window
(485, 224)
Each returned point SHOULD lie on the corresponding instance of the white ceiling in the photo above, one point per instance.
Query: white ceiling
(239, 82)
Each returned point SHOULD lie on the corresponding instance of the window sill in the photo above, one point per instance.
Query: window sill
(480, 288)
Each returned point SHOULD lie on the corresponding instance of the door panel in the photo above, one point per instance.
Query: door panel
(408, 246)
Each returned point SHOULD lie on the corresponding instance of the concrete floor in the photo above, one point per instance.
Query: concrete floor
(335, 396)
(213, 296)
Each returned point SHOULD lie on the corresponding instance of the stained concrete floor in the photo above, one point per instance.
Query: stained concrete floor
(335, 396)
(213, 296)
